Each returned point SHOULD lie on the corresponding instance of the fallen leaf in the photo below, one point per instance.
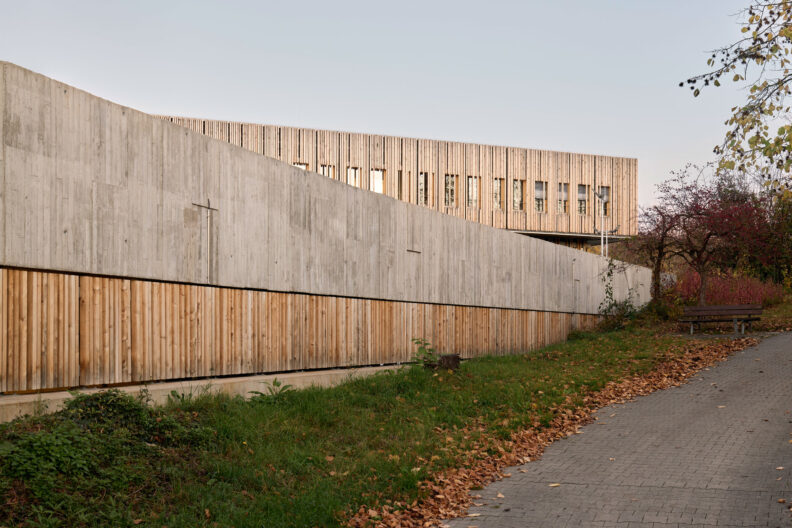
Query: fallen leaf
(207, 514)
(455, 484)
(781, 501)
(779, 468)
(554, 485)
(329, 458)
(721, 406)
(500, 496)
(474, 515)
(137, 521)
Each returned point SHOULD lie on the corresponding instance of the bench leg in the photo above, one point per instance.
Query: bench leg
(735, 326)
(691, 328)
(743, 328)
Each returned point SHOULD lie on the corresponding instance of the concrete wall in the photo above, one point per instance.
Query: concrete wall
(93, 187)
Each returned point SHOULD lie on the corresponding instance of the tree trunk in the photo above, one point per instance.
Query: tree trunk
(656, 270)
(701, 296)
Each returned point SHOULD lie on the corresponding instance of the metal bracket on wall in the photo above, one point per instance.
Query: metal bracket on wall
(209, 210)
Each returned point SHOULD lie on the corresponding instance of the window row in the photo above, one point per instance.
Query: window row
(472, 198)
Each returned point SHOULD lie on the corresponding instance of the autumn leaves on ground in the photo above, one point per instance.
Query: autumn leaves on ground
(398, 449)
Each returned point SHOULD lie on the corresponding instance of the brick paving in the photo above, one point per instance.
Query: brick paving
(706, 453)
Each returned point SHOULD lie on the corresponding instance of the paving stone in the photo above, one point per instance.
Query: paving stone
(703, 454)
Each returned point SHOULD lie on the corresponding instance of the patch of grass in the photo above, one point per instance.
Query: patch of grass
(298, 458)
(777, 317)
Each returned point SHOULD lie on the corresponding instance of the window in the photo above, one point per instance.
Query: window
(540, 196)
(303, 166)
(473, 191)
(327, 170)
(377, 180)
(604, 201)
(353, 176)
(450, 190)
(582, 199)
(563, 198)
(498, 200)
(423, 188)
(518, 194)
(399, 185)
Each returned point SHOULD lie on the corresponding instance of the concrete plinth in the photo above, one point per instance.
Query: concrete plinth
(15, 405)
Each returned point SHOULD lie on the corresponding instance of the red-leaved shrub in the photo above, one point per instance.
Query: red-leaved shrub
(728, 288)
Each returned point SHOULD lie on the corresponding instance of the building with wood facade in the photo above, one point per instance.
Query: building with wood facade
(545, 194)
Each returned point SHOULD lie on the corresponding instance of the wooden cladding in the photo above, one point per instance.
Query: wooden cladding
(404, 160)
(60, 330)
(39, 330)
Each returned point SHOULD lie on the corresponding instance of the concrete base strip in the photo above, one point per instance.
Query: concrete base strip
(15, 405)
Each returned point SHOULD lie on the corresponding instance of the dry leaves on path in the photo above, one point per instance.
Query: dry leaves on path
(448, 493)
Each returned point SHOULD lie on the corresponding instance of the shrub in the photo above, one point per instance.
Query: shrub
(113, 409)
(40, 457)
(426, 356)
(728, 288)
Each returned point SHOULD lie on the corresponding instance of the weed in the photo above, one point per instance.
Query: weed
(615, 314)
(41, 457)
(426, 355)
(276, 391)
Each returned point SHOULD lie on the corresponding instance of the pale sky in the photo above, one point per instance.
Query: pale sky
(598, 77)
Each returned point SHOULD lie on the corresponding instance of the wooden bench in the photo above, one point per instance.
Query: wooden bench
(741, 313)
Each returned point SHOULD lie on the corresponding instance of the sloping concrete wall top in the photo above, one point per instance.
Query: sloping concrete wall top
(94, 187)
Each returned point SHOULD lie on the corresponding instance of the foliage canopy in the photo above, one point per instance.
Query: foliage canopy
(759, 134)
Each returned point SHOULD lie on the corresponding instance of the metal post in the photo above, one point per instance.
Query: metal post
(209, 210)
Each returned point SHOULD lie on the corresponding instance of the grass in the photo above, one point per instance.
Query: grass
(291, 458)
(777, 316)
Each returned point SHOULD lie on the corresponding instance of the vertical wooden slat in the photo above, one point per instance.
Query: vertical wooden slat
(32, 330)
(3, 330)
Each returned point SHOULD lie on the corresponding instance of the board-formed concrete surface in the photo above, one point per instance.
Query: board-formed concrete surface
(713, 452)
(89, 186)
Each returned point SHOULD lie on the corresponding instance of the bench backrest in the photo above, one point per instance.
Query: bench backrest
(735, 309)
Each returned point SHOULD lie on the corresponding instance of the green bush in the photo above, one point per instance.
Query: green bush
(124, 412)
(39, 458)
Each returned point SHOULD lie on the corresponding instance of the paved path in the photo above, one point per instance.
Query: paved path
(703, 454)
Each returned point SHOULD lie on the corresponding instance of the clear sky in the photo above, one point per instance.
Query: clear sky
(577, 75)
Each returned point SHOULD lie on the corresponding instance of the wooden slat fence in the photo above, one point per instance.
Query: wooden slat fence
(62, 330)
